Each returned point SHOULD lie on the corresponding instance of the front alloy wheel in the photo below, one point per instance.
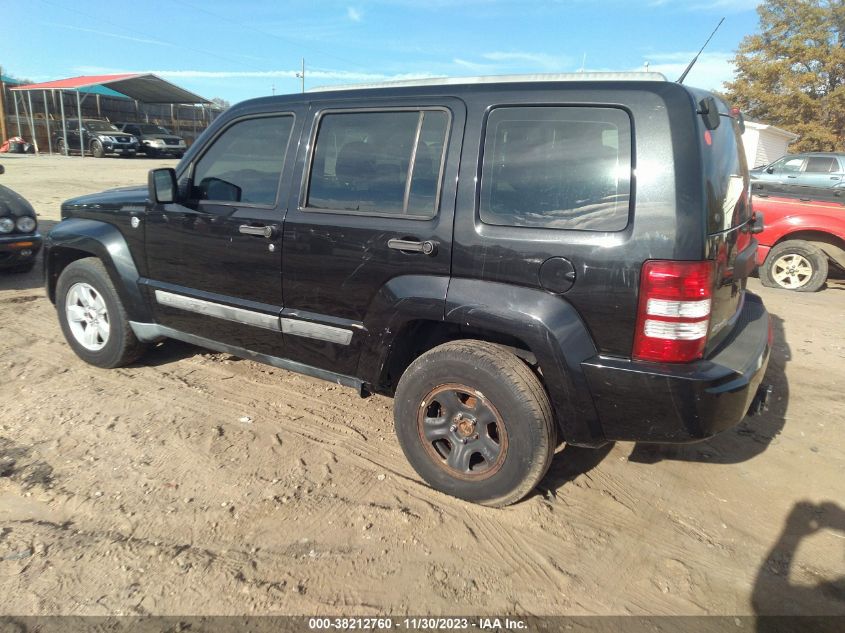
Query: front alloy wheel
(87, 316)
(92, 316)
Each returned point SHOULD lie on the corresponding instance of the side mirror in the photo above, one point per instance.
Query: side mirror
(161, 184)
(219, 190)
(709, 111)
(757, 224)
(770, 170)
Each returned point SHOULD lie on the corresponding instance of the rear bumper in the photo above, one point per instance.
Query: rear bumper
(650, 402)
(18, 249)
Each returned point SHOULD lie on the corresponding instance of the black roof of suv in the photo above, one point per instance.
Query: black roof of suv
(514, 261)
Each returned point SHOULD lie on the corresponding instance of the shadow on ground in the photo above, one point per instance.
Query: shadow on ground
(775, 591)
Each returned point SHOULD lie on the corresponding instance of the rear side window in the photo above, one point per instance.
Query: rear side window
(557, 167)
(244, 164)
(823, 164)
(379, 163)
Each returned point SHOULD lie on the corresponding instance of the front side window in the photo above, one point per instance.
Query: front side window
(557, 167)
(789, 165)
(245, 162)
(379, 163)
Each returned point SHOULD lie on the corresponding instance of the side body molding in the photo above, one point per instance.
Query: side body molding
(553, 332)
(104, 241)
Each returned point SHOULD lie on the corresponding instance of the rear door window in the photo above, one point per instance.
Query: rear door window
(557, 167)
(378, 163)
(821, 164)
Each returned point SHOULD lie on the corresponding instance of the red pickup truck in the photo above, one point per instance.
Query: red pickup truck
(801, 237)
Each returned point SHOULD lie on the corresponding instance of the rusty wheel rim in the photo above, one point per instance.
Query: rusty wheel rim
(462, 432)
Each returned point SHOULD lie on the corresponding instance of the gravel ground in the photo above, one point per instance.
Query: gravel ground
(197, 483)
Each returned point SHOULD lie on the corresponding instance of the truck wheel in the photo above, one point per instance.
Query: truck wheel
(795, 265)
(475, 422)
(60, 147)
(92, 317)
(97, 149)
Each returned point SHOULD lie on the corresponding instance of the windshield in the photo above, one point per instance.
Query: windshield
(153, 129)
(100, 126)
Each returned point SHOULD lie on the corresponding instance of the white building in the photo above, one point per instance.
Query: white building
(764, 144)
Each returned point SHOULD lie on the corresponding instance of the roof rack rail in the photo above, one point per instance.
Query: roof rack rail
(495, 79)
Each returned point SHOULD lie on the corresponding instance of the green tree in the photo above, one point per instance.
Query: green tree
(792, 73)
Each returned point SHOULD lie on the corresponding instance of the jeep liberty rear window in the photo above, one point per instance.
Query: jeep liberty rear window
(557, 167)
(379, 163)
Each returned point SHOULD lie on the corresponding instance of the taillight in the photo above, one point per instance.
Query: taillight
(674, 311)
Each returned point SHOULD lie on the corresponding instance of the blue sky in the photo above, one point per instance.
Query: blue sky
(239, 50)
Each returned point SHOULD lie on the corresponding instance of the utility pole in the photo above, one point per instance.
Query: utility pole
(301, 75)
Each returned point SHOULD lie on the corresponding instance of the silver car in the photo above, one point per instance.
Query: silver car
(810, 175)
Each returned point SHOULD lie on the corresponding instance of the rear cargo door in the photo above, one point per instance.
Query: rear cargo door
(728, 205)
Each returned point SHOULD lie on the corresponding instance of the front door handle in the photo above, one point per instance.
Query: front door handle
(262, 231)
(428, 247)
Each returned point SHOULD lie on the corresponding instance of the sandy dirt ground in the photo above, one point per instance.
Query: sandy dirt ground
(197, 483)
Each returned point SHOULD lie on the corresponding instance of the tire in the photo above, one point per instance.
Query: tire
(111, 342)
(60, 147)
(450, 409)
(795, 265)
(97, 149)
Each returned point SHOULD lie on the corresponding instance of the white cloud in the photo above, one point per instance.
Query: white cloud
(497, 62)
(710, 72)
(322, 74)
(354, 14)
(541, 60)
(729, 6)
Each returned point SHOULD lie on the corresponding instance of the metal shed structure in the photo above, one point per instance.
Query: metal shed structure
(143, 87)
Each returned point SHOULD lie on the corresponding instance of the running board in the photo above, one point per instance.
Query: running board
(151, 332)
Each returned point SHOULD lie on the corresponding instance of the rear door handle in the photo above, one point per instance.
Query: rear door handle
(262, 231)
(427, 247)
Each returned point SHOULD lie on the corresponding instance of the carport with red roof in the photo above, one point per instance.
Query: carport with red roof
(143, 87)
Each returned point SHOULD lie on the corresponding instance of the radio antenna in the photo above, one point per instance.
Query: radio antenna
(695, 59)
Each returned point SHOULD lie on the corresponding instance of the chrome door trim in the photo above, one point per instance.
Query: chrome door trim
(218, 310)
(318, 331)
(294, 327)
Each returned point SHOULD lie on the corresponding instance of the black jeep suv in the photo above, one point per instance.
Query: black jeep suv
(518, 263)
(154, 139)
(98, 138)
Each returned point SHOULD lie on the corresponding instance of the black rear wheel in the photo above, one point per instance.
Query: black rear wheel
(475, 422)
